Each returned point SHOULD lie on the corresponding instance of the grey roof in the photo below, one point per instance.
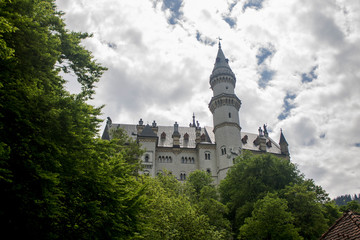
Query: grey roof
(147, 132)
(221, 65)
(275, 148)
(130, 129)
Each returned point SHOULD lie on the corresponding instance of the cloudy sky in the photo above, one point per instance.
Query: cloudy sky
(297, 64)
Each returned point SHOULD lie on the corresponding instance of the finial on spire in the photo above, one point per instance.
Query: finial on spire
(219, 38)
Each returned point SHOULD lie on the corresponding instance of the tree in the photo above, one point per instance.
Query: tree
(250, 179)
(57, 180)
(351, 206)
(270, 220)
(303, 202)
(201, 191)
(169, 213)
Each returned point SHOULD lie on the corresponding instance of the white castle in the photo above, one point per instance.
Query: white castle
(181, 150)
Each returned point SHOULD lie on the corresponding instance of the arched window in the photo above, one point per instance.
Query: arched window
(182, 160)
(159, 159)
(167, 159)
(146, 158)
(192, 160)
(223, 150)
(170, 159)
(207, 155)
(185, 159)
(208, 171)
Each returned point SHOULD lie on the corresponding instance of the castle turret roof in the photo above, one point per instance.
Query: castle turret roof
(221, 65)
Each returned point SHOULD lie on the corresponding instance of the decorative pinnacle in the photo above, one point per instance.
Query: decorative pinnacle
(219, 38)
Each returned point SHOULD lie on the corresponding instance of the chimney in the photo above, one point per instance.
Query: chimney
(176, 136)
(140, 126)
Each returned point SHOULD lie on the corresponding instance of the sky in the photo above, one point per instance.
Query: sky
(296, 64)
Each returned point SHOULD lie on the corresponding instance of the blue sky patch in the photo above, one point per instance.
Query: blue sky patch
(263, 54)
(288, 105)
(174, 7)
(205, 40)
(230, 21)
(256, 4)
(309, 77)
(266, 76)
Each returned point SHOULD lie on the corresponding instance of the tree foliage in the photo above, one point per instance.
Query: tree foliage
(270, 220)
(56, 179)
(255, 176)
(170, 214)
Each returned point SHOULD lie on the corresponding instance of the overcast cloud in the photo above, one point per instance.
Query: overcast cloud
(296, 63)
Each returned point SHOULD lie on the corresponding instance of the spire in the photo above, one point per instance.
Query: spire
(282, 138)
(221, 65)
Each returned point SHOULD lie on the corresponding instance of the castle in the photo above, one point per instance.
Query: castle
(182, 150)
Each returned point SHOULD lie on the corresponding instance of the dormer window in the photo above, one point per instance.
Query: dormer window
(203, 137)
(186, 137)
(163, 135)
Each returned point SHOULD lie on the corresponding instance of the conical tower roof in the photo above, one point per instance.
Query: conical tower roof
(221, 66)
(282, 139)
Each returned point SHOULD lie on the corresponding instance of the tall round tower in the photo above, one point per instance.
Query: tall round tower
(224, 106)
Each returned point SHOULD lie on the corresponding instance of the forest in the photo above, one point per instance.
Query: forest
(59, 180)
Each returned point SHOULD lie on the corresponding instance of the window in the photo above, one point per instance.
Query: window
(207, 155)
(192, 160)
(146, 158)
(185, 159)
(223, 150)
(159, 159)
(167, 159)
(182, 160)
(208, 171)
(182, 176)
(229, 115)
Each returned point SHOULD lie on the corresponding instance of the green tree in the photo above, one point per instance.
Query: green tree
(169, 213)
(56, 179)
(351, 206)
(270, 220)
(308, 211)
(250, 179)
(199, 187)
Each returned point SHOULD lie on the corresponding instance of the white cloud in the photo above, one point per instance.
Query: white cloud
(159, 71)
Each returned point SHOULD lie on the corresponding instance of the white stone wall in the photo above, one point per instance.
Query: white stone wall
(223, 87)
(177, 165)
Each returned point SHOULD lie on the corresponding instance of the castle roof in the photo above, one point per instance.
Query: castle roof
(147, 132)
(131, 131)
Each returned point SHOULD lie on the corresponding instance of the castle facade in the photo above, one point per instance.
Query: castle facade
(181, 150)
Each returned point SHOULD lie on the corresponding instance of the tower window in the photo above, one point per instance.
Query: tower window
(229, 115)
(146, 158)
(223, 150)
(207, 155)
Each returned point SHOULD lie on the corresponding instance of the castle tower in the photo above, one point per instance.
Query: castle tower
(224, 106)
